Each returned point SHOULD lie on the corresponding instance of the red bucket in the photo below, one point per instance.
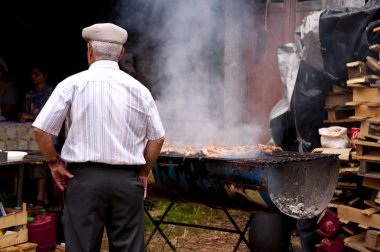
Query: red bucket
(42, 230)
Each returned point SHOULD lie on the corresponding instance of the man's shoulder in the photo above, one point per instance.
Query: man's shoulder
(73, 78)
(129, 80)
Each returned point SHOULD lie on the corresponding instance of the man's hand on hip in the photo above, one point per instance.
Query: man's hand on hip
(60, 174)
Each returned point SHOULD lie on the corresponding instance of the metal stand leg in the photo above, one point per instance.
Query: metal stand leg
(237, 230)
(156, 224)
(241, 233)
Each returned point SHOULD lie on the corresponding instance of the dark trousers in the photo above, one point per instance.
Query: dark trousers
(103, 196)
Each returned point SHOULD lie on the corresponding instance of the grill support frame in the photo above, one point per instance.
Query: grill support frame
(158, 222)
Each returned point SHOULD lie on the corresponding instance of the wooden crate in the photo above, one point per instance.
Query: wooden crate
(340, 113)
(351, 122)
(364, 80)
(369, 128)
(367, 150)
(12, 220)
(372, 183)
(356, 69)
(336, 89)
(365, 94)
(351, 214)
(23, 247)
(356, 242)
(368, 110)
(9, 249)
(344, 153)
(372, 240)
(334, 100)
(369, 169)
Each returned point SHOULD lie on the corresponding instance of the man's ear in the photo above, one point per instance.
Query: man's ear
(89, 53)
(121, 53)
(89, 49)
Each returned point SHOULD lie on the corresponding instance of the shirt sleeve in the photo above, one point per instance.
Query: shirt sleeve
(50, 119)
(155, 129)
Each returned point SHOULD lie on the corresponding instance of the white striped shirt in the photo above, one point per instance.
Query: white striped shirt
(110, 116)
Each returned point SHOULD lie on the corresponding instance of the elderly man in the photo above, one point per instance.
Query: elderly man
(114, 136)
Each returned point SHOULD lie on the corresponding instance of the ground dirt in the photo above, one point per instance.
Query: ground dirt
(186, 239)
(189, 239)
(195, 239)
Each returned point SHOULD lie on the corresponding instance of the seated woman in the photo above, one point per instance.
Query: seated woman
(34, 100)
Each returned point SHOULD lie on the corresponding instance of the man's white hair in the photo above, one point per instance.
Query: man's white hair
(106, 50)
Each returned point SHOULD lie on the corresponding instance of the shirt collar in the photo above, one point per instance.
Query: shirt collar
(104, 64)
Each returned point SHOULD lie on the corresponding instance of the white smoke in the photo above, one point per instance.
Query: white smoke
(187, 69)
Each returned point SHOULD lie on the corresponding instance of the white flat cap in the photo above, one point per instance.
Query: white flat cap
(105, 32)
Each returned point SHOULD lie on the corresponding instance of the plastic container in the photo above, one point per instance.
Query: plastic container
(42, 230)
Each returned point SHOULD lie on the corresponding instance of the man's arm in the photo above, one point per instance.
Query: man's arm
(58, 168)
(46, 144)
(151, 153)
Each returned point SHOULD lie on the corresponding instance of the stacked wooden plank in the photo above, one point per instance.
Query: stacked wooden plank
(368, 220)
(23, 247)
(364, 79)
(16, 240)
(356, 202)
(335, 104)
(341, 114)
(366, 100)
(365, 95)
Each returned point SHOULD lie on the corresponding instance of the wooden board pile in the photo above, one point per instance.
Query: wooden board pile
(338, 112)
(356, 203)
(17, 240)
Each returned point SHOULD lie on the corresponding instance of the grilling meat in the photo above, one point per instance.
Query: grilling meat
(220, 151)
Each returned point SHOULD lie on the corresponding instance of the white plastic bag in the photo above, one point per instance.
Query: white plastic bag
(334, 137)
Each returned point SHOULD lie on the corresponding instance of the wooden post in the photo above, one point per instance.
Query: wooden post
(234, 88)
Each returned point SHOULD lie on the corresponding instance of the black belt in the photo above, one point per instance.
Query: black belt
(101, 165)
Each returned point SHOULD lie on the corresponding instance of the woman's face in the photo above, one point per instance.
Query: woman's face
(38, 77)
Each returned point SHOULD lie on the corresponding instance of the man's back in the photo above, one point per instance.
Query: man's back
(109, 115)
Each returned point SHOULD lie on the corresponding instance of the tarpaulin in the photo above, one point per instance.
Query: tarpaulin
(323, 47)
(297, 128)
(345, 36)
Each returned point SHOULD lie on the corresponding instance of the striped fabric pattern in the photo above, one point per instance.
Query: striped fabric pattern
(110, 116)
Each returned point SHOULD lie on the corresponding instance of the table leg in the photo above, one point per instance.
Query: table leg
(20, 185)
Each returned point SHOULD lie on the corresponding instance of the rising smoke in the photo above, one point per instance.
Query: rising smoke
(198, 88)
